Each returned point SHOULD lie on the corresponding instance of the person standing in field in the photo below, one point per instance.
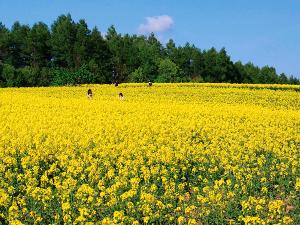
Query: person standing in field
(149, 84)
(90, 94)
(121, 96)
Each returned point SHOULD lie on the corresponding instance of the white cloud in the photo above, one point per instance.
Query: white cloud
(156, 24)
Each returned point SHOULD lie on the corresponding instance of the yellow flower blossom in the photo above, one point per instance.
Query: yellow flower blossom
(175, 153)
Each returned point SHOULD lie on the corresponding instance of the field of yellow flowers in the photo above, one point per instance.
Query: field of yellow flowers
(166, 154)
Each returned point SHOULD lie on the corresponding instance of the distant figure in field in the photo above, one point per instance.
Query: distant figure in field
(149, 84)
(121, 96)
(116, 84)
(90, 94)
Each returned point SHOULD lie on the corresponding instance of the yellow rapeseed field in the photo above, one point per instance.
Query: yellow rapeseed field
(166, 154)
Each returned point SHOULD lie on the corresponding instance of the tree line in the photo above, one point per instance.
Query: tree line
(69, 53)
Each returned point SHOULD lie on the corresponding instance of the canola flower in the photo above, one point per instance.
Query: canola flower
(169, 154)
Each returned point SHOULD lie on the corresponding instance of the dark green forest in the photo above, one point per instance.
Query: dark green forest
(69, 53)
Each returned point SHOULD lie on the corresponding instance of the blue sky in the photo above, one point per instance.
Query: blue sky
(265, 32)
